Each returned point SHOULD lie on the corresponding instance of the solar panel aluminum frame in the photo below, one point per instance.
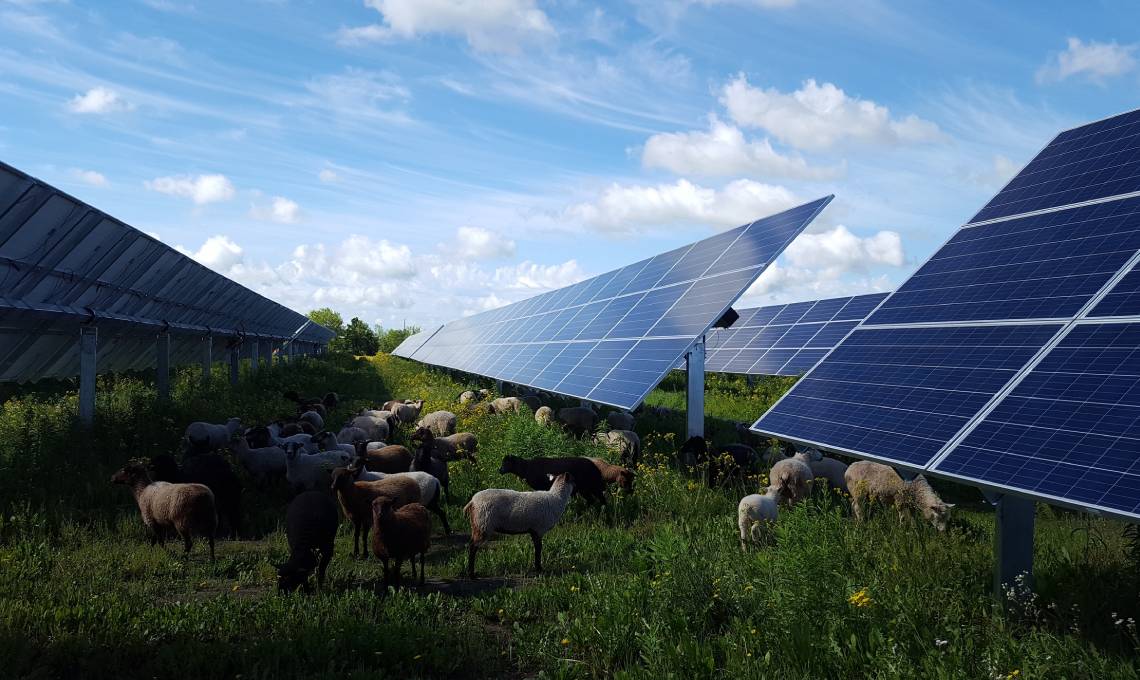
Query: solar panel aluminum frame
(758, 270)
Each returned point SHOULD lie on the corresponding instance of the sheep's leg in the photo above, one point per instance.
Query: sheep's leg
(536, 538)
(857, 508)
(423, 566)
(355, 539)
(364, 541)
(471, 550)
(326, 557)
(211, 538)
(399, 567)
(187, 541)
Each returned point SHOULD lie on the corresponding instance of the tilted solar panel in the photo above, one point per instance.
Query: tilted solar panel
(611, 338)
(1010, 358)
(413, 342)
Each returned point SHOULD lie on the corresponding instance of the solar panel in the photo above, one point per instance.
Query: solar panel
(765, 340)
(1010, 359)
(413, 342)
(611, 338)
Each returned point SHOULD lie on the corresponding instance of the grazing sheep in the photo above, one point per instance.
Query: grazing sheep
(388, 417)
(408, 411)
(390, 459)
(578, 420)
(467, 397)
(205, 437)
(441, 423)
(755, 515)
(263, 462)
(356, 501)
(625, 443)
(505, 511)
(615, 474)
(791, 479)
(532, 401)
(310, 525)
(619, 420)
(430, 491)
(832, 470)
(730, 461)
(307, 472)
(351, 435)
(506, 405)
(459, 446)
(376, 428)
(537, 473)
(400, 534)
(870, 482)
(327, 441)
(188, 509)
(313, 418)
(425, 461)
(544, 415)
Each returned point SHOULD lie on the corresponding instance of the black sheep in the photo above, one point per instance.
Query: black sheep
(537, 473)
(212, 470)
(310, 525)
(695, 451)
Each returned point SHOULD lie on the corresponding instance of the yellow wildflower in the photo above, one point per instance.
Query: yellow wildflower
(565, 641)
(860, 598)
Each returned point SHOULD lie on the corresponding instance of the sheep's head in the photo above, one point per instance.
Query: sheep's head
(423, 435)
(938, 514)
(295, 573)
(292, 449)
(342, 477)
(564, 479)
(625, 479)
(134, 471)
(382, 505)
(510, 465)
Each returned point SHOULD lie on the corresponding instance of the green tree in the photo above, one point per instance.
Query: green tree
(390, 339)
(359, 338)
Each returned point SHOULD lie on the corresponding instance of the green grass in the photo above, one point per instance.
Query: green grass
(653, 586)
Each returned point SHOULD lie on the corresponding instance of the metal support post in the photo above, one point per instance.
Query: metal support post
(1013, 542)
(207, 360)
(235, 363)
(267, 353)
(695, 389)
(253, 347)
(162, 366)
(88, 345)
(499, 387)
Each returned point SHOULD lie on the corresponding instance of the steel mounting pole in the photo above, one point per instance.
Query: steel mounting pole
(1013, 543)
(88, 349)
(695, 389)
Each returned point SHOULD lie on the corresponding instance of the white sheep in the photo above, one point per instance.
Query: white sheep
(544, 416)
(867, 481)
(409, 410)
(188, 509)
(306, 472)
(625, 443)
(791, 479)
(375, 428)
(203, 437)
(506, 405)
(506, 511)
(305, 440)
(327, 441)
(756, 514)
(441, 423)
(351, 435)
(263, 463)
(313, 418)
(834, 471)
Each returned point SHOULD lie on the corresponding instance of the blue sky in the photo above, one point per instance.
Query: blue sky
(415, 160)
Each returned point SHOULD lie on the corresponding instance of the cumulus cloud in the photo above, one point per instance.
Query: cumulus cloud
(631, 208)
(476, 243)
(327, 176)
(723, 150)
(1000, 171)
(821, 116)
(487, 25)
(218, 253)
(1093, 60)
(843, 251)
(201, 189)
(98, 100)
(89, 177)
(536, 277)
(280, 210)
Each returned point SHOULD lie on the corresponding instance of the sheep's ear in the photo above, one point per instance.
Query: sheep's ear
(950, 505)
(550, 477)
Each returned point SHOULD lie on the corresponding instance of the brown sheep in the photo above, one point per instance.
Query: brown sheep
(615, 474)
(400, 533)
(188, 509)
(391, 458)
(356, 501)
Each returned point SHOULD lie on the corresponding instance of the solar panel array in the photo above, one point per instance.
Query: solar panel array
(413, 342)
(65, 264)
(612, 338)
(1011, 359)
(785, 339)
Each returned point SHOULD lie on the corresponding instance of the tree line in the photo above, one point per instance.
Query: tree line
(358, 337)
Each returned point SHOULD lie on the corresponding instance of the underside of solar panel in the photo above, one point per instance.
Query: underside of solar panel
(1010, 359)
(610, 339)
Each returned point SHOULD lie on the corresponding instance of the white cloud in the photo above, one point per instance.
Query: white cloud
(476, 243)
(631, 208)
(723, 150)
(360, 94)
(218, 253)
(531, 277)
(327, 176)
(280, 210)
(202, 189)
(821, 116)
(89, 177)
(1001, 170)
(1096, 61)
(98, 100)
(488, 25)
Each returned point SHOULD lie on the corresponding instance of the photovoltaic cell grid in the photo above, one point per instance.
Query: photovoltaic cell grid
(413, 342)
(1050, 405)
(612, 338)
(785, 339)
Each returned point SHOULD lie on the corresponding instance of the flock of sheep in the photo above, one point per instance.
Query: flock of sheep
(389, 492)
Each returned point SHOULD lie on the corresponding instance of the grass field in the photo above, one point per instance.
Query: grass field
(654, 586)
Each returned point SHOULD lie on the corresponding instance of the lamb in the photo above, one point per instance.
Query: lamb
(205, 437)
(459, 446)
(307, 472)
(429, 487)
(538, 472)
(188, 509)
(619, 420)
(441, 423)
(869, 481)
(615, 474)
(400, 534)
(791, 479)
(625, 443)
(506, 405)
(310, 525)
(544, 415)
(505, 511)
(390, 459)
(755, 515)
(409, 410)
(327, 441)
(375, 428)
(424, 461)
(578, 420)
(263, 462)
(314, 419)
(356, 501)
